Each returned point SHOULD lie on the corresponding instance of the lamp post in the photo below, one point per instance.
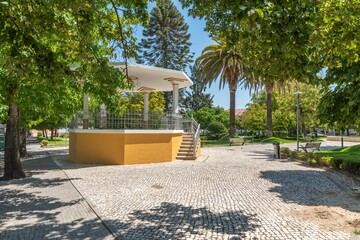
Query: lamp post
(297, 118)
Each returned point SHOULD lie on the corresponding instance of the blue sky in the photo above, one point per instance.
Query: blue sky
(200, 39)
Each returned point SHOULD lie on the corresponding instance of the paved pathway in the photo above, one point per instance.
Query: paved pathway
(45, 205)
(230, 193)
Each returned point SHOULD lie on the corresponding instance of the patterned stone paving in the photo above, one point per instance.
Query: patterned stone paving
(237, 192)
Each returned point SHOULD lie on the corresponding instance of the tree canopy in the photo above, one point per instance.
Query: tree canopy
(40, 41)
(166, 42)
(293, 40)
(273, 36)
(196, 98)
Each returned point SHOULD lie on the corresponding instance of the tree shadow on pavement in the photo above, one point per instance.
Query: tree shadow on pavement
(33, 216)
(260, 154)
(176, 221)
(313, 188)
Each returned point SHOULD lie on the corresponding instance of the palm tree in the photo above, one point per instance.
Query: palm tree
(222, 59)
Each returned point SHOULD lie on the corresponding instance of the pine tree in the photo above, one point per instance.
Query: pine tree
(166, 41)
(196, 98)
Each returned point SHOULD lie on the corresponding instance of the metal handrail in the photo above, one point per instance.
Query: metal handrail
(196, 132)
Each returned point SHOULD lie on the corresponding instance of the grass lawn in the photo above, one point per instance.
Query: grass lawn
(273, 139)
(351, 154)
(56, 141)
(225, 141)
(215, 143)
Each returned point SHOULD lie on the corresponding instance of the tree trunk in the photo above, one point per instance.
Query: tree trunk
(232, 111)
(12, 167)
(23, 137)
(269, 90)
(52, 134)
(315, 132)
(304, 129)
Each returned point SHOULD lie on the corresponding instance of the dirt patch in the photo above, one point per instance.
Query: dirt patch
(342, 214)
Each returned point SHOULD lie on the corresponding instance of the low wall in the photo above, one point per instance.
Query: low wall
(124, 146)
(346, 138)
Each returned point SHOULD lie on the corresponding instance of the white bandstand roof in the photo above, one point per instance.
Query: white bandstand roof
(154, 79)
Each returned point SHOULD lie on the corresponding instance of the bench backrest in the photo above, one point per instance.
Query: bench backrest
(313, 145)
(241, 138)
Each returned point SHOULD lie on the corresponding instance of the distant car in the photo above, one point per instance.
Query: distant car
(352, 132)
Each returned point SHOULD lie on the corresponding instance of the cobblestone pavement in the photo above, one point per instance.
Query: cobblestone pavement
(237, 192)
(45, 205)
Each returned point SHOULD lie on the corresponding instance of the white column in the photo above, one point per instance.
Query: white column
(146, 109)
(175, 98)
(86, 111)
(103, 119)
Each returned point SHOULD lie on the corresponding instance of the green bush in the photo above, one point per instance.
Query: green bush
(281, 134)
(285, 151)
(325, 161)
(216, 130)
(44, 142)
(353, 167)
(293, 154)
(312, 162)
(336, 163)
(39, 134)
(302, 156)
(64, 135)
(315, 160)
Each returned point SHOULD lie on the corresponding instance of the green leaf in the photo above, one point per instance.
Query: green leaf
(259, 12)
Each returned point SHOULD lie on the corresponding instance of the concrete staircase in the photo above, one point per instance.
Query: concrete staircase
(187, 147)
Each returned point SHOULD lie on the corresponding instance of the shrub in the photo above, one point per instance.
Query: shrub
(285, 151)
(39, 134)
(336, 163)
(312, 162)
(302, 156)
(217, 130)
(353, 167)
(293, 154)
(325, 161)
(64, 135)
(281, 134)
(44, 142)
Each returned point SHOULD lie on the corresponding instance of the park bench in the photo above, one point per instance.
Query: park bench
(311, 145)
(241, 139)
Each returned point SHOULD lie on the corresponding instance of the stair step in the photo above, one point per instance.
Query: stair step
(186, 150)
(185, 158)
(184, 154)
(186, 145)
(188, 140)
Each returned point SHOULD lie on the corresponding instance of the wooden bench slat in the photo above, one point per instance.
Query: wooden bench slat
(241, 139)
(311, 145)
